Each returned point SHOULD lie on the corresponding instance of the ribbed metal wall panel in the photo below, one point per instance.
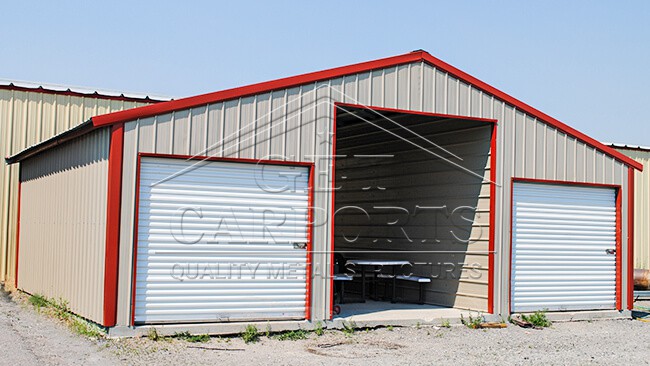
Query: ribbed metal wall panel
(232, 257)
(63, 223)
(526, 147)
(641, 208)
(561, 235)
(27, 118)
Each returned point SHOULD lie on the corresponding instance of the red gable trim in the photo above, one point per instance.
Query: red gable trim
(531, 111)
(160, 108)
(417, 56)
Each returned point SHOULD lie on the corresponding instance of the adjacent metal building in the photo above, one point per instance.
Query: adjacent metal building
(31, 113)
(531, 213)
(641, 233)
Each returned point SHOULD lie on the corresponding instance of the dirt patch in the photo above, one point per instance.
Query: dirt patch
(352, 348)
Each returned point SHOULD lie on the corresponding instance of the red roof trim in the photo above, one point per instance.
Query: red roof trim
(531, 111)
(184, 103)
(166, 107)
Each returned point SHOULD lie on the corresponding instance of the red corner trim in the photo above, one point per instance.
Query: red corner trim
(630, 239)
(165, 107)
(18, 231)
(113, 207)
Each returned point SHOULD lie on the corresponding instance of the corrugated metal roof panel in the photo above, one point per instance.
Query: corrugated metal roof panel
(626, 146)
(82, 91)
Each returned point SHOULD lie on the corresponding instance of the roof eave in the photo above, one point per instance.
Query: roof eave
(68, 135)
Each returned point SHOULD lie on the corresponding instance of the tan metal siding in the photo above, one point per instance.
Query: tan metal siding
(526, 148)
(641, 208)
(27, 118)
(63, 223)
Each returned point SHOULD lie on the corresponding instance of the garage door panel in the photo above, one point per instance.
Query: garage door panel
(561, 234)
(217, 241)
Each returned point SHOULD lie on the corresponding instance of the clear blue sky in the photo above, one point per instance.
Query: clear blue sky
(586, 63)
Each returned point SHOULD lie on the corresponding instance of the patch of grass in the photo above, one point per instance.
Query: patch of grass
(38, 301)
(250, 334)
(348, 329)
(445, 323)
(319, 329)
(472, 322)
(153, 335)
(268, 330)
(389, 328)
(85, 328)
(418, 325)
(293, 335)
(537, 319)
(193, 338)
(59, 309)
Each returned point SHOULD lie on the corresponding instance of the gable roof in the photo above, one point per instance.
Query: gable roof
(284, 83)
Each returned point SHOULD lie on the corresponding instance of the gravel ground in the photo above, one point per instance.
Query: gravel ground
(27, 337)
(30, 338)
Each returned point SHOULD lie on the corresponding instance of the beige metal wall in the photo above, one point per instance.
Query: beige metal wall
(27, 118)
(641, 208)
(63, 223)
(296, 123)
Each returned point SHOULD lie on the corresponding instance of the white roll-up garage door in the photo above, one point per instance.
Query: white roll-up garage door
(220, 241)
(563, 247)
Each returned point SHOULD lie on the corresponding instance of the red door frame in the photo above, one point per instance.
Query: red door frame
(310, 215)
(493, 176)
(618, 259)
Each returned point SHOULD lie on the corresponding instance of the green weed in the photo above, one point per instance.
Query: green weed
(38, 301)
(193, 338)
(293, 335)
(250, 334)
(319, 329)
(472, 322)
(537, 319)
(348, 328)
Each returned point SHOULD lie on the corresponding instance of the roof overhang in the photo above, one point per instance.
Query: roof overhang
(59, 139)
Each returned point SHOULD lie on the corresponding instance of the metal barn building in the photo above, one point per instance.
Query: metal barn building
(231, 208)
(641, 234)
(31, 113)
